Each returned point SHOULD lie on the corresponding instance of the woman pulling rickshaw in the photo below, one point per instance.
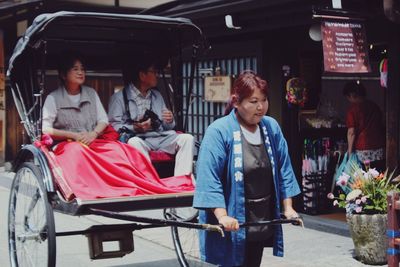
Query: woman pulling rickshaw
(89, 174)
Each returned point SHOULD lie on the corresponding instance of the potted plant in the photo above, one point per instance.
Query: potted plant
(364, 198)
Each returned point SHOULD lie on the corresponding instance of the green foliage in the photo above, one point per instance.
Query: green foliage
(367, 190)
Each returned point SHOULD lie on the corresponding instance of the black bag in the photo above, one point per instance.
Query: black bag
(155, 121)
(125, 134)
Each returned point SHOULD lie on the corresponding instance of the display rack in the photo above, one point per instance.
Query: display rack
(318, 164)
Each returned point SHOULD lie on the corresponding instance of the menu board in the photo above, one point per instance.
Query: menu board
(217, 88)
(345, 46)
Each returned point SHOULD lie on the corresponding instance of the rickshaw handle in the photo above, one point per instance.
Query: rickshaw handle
(161, 222)
(207, 227)
(294, 221)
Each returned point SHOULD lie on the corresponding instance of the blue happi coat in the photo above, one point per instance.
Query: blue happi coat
(220, 184)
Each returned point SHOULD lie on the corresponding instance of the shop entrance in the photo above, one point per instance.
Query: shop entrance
(323, 135)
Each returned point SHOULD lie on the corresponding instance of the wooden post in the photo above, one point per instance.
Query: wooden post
(392, 100)
(393, 228)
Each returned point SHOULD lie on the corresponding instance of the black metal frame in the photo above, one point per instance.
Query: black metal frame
(93, 33)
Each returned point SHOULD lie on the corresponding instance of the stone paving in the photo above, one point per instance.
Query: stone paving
(304, 247)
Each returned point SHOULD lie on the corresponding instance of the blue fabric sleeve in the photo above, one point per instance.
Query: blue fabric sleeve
(288, 182)
(210, 165)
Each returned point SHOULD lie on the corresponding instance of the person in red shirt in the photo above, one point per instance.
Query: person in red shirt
(365, 134)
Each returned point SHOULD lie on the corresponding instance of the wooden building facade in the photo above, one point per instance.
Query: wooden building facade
(275, 36)
(270, 37)
(276, 33)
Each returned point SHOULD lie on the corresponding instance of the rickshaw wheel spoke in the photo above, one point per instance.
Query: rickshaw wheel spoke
(185, 239)
(31, 229)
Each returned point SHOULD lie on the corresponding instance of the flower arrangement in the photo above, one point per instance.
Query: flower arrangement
(364, 190)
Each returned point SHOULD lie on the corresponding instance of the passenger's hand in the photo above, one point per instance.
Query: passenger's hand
(146, 125)
(167, 116)
(137, 127)
(86, 137)
(229, 223)
(142, 127)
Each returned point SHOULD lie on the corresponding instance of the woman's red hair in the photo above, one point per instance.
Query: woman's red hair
(244, 86)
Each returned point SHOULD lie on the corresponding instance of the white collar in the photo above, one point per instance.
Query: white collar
(252, 138)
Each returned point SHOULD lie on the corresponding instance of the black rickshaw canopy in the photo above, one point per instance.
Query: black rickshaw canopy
(103, 38)
(106, 41)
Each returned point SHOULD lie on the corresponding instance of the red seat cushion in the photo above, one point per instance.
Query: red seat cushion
(161, 156)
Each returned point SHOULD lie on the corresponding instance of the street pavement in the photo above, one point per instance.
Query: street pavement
(304, 247)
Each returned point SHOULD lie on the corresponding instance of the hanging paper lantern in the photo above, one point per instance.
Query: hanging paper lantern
(383, 72)
(296, 92)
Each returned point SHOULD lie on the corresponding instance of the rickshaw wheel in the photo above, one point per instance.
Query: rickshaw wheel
(186, 240)
(31, 230)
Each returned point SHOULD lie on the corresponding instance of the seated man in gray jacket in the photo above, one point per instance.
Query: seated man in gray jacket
(148, 117)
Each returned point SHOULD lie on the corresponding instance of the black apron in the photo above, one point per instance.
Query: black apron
(259, 190)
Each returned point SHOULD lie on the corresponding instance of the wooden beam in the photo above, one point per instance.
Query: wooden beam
(202, 9)
(393, 99)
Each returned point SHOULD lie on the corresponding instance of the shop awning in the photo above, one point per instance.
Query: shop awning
(11, 8)
(252, 15)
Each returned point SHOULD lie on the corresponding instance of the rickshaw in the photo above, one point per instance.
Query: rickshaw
(105, 39)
